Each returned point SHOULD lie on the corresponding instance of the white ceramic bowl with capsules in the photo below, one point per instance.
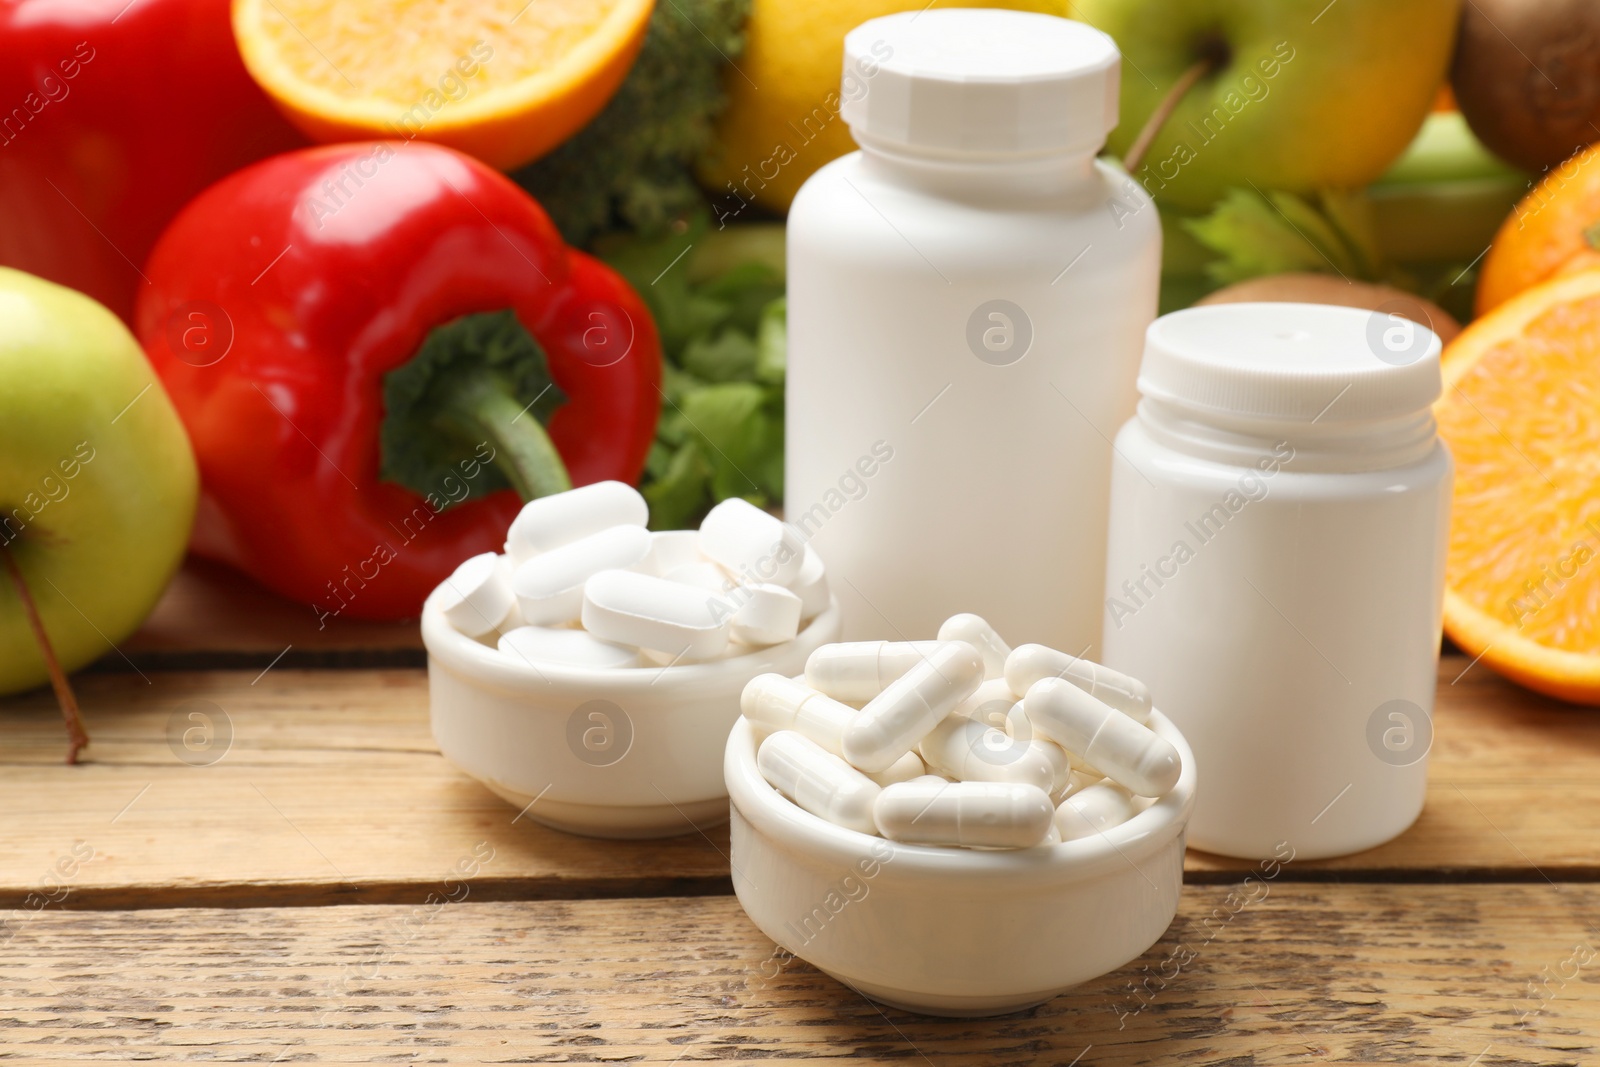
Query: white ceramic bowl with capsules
(620, 752)
(954, 931)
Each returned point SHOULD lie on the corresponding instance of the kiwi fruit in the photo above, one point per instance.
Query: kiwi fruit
(1526, 77)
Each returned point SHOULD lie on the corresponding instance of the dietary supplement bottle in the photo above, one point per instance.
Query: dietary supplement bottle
(968, 295)
(1279, 510)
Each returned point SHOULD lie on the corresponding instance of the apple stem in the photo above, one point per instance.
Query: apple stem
(1169, 103)
(77, 736)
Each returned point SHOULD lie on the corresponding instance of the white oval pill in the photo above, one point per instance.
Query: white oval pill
(859, 670)
(895, 720)
(640, 609)
(755, 546)
(477, 596)
(972, 814)
(818, 781)
(967, 750)
(811, 585)
(772, 702)
(552, 521)
(578, 648)
(767, 614)
(549, 586)
(669, 549)
(1093, 810)
(1129, 754)
(702, 574)
(976, 631)
(907, 768)
(1028, 663)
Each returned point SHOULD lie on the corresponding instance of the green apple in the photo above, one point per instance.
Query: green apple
(97, 479)
(1301, 94)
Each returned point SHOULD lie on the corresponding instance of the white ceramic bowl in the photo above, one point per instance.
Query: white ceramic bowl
(949, 931)
(635, 752)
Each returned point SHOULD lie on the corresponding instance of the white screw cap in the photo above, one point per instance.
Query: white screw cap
(1291, 362)
(967, 81)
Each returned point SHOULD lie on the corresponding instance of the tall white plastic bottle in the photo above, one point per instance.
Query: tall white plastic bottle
(968, 295)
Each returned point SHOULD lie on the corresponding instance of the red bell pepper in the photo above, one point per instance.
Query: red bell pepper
(113, 114)
(356, 337)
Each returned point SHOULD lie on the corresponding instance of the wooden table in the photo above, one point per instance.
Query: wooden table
(330, 890)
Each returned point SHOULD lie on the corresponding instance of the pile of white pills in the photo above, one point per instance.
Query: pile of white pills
(962, 741)
(583, 582)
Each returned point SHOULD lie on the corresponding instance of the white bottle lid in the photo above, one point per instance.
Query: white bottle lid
(982, 81)
(1291, 362)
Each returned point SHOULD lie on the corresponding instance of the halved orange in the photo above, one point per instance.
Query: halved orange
(1521, 413)
(503, 80)
(1557, 224)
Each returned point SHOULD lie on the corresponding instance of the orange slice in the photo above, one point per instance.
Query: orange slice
(1556, 224)
(503, 80)
(1521, 413)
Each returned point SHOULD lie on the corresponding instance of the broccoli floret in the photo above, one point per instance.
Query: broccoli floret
(631, 167)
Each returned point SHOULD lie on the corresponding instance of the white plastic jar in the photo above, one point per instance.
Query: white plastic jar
(1279, 512)
(968, 295)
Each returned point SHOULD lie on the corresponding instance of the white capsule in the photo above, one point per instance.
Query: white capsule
(772, 702)
(767, 614)
(972, 814)
(1056, 757)
(1076, 781)
(549, 586)
(543, 644)
(992, 703)
(976, 631)
(1129, 754)
(811, 585)
(754, 546)
(669, 549)
(1028, 663)
(860, 670)
(907, 768)
(818, 781)
(477, 596)
(653, 613)
(936, 779)
(969, 751)
(552, 521)
(895, 720)
(1093, 810)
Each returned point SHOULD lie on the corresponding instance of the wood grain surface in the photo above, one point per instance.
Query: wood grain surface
(331, 789)
(1477, 975)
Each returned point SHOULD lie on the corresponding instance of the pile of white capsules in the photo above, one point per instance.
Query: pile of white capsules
(961, 741)
(583, 582)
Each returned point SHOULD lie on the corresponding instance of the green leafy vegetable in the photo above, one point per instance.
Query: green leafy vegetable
(631, 167)
(1257, 234)
(721, 429)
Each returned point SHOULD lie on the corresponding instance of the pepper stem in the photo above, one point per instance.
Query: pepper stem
(485, 405)
(478, 380)
(77, 736)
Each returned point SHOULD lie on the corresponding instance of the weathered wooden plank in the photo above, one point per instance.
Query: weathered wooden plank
(1481, 975)
(332, 790)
